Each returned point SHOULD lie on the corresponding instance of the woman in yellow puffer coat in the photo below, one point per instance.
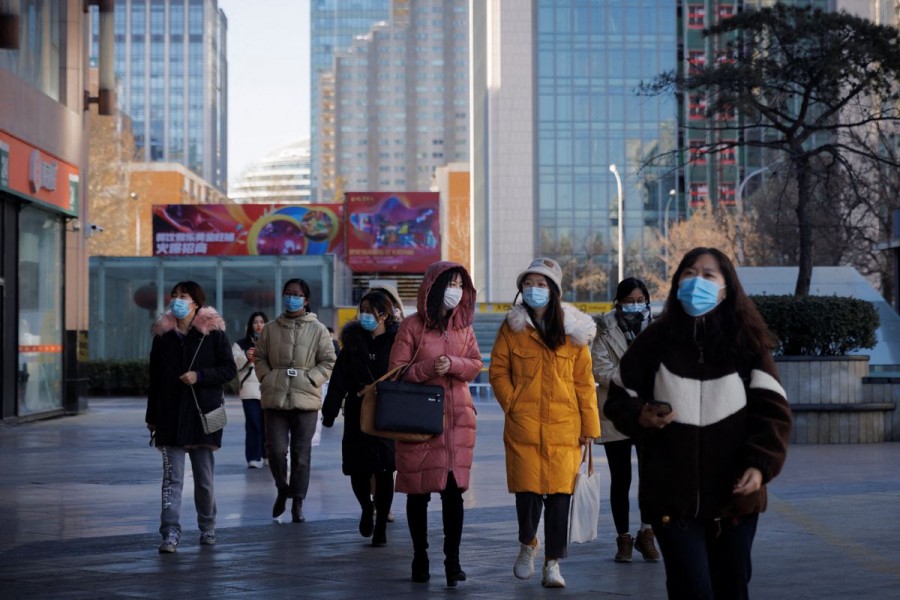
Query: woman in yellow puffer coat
(541, 375)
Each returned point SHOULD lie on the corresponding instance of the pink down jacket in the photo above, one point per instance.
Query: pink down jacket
(424, 467)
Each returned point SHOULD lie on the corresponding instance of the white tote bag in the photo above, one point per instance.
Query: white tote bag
(584, 510)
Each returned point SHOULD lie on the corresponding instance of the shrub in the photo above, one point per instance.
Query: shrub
(117, 377)
(819, 325)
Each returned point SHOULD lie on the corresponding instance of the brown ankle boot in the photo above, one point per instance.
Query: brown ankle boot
(624, 545)
(644, 544)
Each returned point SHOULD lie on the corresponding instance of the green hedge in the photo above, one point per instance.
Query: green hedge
(819, 325)
(124, 378)
(117, 377)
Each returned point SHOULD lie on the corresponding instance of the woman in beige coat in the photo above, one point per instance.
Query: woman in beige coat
(294, 358)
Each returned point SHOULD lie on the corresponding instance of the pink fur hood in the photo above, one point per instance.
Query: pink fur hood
(205, 321)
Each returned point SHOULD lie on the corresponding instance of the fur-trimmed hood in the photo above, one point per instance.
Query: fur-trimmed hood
(204, 321)
(580, 327)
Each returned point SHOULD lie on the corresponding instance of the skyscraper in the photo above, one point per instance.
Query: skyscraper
(396, 105)
(282, 176)
(172, 73)
(333, 25)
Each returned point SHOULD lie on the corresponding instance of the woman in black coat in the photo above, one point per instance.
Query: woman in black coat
(190, 361)
(366, 348)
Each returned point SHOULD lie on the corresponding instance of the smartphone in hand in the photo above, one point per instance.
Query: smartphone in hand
(662, 408)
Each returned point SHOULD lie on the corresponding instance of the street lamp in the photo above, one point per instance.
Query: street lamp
(615, 172)
(666, 231)
(137, 224)
(739, 206)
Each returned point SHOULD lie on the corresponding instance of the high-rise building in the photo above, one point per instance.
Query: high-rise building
(553, 106)
(282, 177)
(333, 25)
(172, 74)
(396, 105)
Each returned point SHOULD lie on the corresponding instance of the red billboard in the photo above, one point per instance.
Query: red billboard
(392, 231)
(247, 229)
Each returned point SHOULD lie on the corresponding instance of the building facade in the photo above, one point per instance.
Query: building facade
(333, 25)
(282, 177)
(172, 76)
(43, 219)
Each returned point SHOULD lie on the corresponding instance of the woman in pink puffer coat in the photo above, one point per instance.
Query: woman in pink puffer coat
(441, 345)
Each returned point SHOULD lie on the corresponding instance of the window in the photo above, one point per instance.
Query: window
(696, 60)
(727, 156)
(699, 195)
(726, 11)
(725, 56)
(698, 152)
(696, 16)
(697, 106)
(727, 194)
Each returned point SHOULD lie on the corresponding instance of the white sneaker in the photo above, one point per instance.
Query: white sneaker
(552, 577)
(255, 464)
(524, 567)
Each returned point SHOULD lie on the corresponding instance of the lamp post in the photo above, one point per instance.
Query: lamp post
(666, 231)
(137, 224)
(615, 172)
(739, 206)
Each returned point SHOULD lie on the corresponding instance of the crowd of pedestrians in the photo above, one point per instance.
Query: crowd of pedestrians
(692, 391)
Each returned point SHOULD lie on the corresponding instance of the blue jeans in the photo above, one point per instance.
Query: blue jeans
(202, 465)
(254, 430)
(295, 427)
(707, 559)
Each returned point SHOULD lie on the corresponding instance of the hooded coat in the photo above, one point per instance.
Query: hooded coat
(548, 399)
(303, 344)
(362, 360)
(423, 467)
(170, 403)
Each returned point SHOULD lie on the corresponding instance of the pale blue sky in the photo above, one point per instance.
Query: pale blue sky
(268, 77)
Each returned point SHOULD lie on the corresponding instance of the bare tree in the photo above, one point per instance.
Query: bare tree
(109, 203)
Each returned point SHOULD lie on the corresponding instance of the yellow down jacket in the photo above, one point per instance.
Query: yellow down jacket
(548, 399)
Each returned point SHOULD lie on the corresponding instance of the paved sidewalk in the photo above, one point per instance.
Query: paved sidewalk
(79, 505)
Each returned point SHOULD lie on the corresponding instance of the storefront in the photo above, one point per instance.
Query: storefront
(39, 193)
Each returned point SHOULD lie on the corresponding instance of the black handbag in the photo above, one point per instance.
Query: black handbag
(409, 407)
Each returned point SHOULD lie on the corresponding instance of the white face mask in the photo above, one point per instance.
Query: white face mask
(452, 296)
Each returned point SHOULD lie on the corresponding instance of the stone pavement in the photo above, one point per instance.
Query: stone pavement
(79, 506)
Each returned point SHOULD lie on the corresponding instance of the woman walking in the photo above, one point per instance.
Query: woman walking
(615, 332)
(439, 345)
(254, 432)
(700, 390)
(541, 375)
(190, 361)
(365, 351)
(293, 359)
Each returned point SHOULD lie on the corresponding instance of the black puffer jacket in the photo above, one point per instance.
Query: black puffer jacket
(170, 404)
(361, 361)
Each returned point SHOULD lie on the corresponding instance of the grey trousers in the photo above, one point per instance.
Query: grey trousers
(202, 465)
(296, 427)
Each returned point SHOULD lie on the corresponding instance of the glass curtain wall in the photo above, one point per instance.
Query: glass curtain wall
(40, 370)
(591, 57)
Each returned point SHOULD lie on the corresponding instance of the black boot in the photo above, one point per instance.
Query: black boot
(379, 537)
(420, 572)
(297, 511)
(280, 503)
(453, 571)
(365, 520)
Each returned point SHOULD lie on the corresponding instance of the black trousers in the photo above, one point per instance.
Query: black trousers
(618, 455)
(452, 513)
(707, 559)
(556, 521)
(384, 493)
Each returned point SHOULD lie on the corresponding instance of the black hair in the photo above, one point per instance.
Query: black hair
(435, 301)
(382, 304)
(259, 313)
(735, 325)
(192, 289)
(304, 287)
(628, 285)
(553, 331)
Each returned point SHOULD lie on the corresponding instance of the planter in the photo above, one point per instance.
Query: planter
(830, 402)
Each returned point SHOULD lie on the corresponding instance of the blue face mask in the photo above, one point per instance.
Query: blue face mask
(536, 297)
(180, 307)
(368, 321)
(698, 296)
(291, 303)
(632, 308)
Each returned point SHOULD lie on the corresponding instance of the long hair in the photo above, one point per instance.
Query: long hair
(249, 332)
(553, 333)
(435, 301)
(304, 287)
(736, 327)
(382, 304)
(192, 289)
(628, 285)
